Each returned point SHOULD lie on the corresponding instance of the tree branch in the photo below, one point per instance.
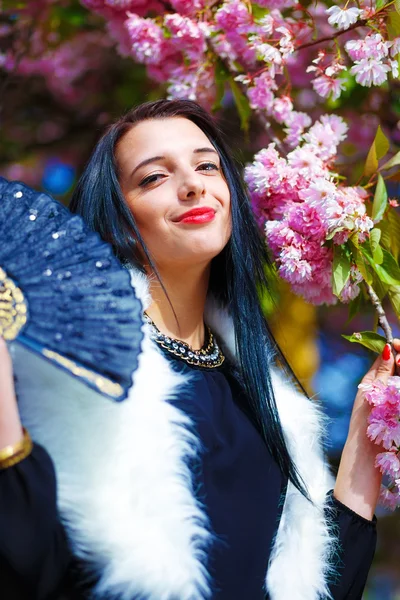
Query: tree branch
(383, 321)
(382, 318)
(329, 38)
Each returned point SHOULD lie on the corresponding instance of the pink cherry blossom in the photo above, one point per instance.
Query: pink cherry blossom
(304, 218)
(328, 86)
(196, 84)
(384, 425)
(372, 46)
(260, 94)
(147, 39)
(395, 47)
(322, 139)
(318, 192)
(234, 17)
(352, 288)
(286, 43)
(337, 125)
(186, 35)
(292, 267)
(188, 7)
(343, 17)
(374, 392)
(279, 4)
(281, 108)
(305, 161)
(384, 429)
(268, 54)
(394, 65)
(370, 72)
(388, 462)
(296, 123)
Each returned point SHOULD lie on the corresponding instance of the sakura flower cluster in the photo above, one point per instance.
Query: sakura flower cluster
(181, 48)
(300, 206)
(182, 44)
(372, 57)
(174, 52)
(384, 429)
(260, 44)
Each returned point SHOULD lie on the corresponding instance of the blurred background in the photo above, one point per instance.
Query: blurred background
(67, 82)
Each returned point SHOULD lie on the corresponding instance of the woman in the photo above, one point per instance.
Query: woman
(209, 480)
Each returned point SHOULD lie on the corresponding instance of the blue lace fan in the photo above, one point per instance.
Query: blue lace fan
(63, 294)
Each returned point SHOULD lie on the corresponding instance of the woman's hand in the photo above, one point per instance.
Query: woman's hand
(10, 424)
(358, 481)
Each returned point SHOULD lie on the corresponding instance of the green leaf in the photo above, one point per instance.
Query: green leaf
(393, 162)
(259, 12)
(393, 221)
(374, 237)
(359, 259)
(242, 105)
(378, 150)
(393, 24)
(371, 164)
(380, 200)
(394, 297)
(354, 240)
(371, 340)
(382, 144)
(383, 227)
(397, 6)
(388, 271)
(341, 270)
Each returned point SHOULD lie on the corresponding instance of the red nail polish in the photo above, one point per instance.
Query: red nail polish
(386, 352)
(398, 361)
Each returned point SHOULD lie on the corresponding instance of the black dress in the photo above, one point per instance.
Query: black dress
(237, 480)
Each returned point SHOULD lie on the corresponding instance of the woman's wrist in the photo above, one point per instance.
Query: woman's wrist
(14, 453)
(358, 481)
(11, 431)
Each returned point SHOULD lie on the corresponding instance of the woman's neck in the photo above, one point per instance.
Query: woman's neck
(187, 292)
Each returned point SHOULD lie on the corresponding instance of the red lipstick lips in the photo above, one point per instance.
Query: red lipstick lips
(202, 214)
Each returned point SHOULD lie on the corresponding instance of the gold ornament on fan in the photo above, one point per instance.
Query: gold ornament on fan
(13, 308)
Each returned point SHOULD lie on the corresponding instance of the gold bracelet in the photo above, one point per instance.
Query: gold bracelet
(11, 455)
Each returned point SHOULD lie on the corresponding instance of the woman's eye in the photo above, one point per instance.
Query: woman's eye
(209, 166)
(150, 179)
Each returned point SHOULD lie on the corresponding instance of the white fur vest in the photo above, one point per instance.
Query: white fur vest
(125, 490)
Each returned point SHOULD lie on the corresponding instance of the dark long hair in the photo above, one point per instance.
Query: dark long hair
(237, 273)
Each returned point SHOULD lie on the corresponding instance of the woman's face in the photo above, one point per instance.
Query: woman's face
(171, 177)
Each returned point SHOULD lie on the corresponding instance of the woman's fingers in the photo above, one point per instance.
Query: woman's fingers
(383, 366)
(396, 344)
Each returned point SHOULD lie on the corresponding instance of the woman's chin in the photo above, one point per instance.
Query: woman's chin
(191, 255)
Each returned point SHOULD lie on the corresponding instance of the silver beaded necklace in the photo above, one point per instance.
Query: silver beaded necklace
(209, 356)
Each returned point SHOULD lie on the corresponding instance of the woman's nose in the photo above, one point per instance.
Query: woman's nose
(191, 187)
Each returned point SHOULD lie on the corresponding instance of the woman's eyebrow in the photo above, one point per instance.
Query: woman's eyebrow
(206, 149)
(148, 161)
